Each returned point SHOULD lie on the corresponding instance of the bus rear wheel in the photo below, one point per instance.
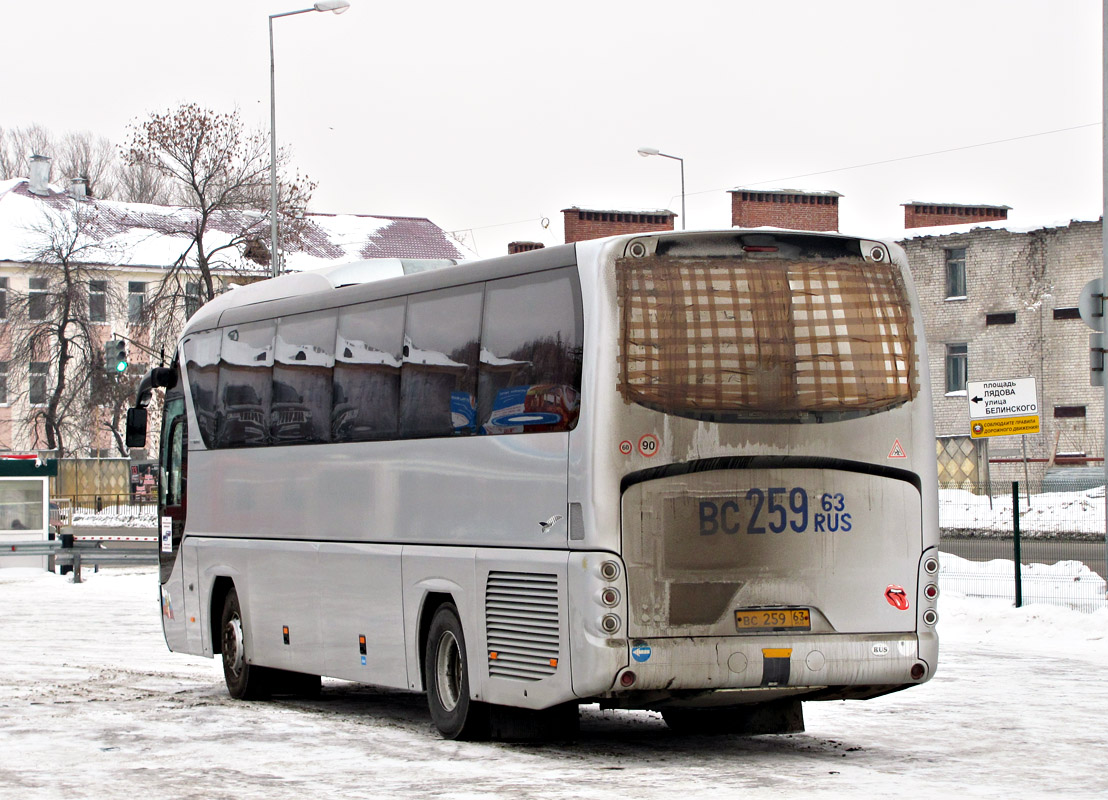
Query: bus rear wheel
(245, 681)
(446, 676)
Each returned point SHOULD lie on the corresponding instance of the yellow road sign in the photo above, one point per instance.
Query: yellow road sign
(1007, 426)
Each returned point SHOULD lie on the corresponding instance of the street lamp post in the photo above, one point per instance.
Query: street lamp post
(653, 151)
(338, 7)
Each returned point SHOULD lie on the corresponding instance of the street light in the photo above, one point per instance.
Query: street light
(338, 7)
(654, 151)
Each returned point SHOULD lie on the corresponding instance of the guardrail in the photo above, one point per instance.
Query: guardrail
(74, 554)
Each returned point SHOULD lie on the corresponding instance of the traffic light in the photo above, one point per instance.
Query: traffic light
(115, 355)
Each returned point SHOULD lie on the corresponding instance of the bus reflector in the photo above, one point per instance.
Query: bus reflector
(759, 248)
(777, 652)
(493, 655)
(918, 671)
(627, 679)
(553, 662)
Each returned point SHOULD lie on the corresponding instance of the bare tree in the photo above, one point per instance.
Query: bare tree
(91, 158)
(53, 334)
(142, 183)
(17, 145)
(220, 171)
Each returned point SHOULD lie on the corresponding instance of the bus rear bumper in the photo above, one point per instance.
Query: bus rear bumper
(752, 669)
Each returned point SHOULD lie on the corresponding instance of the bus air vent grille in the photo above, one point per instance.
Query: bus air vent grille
(521, 625)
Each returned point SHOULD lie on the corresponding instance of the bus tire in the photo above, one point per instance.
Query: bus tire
(446, 676)
(779, 716)
(245, 681)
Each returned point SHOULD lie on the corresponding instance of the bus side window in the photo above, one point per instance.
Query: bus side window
(438, 379)
(366, 396)
(304, 357)
(245, 385)
(529, 379)
(201, 352)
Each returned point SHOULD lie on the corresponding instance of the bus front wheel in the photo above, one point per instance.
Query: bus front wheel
(446, 676)
(244, 680)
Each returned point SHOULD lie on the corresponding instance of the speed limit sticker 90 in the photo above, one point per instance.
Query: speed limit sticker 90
(648, 445)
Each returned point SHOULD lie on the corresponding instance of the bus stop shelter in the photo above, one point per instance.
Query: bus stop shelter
(25, 504)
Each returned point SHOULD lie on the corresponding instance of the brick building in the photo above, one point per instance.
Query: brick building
(582, 224)
(1002, 304)
(785, 208)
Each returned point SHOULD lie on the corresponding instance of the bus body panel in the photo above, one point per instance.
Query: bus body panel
(701, 546)
(878, 662)
(417, 491)
(361, 596)
(174, 614)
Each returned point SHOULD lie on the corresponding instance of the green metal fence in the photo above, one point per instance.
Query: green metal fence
(1056, 536)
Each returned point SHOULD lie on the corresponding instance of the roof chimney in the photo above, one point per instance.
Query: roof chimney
(523, 247)
(78, 187)
(40, 175)
(785, 208)
(926, 215)
(583, 224)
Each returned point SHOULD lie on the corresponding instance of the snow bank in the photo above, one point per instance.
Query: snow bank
(1068, 584)
(1079, 514)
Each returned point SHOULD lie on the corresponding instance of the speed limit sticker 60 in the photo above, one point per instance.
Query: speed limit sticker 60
(648, 445)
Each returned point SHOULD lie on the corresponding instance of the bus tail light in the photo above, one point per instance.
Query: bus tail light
(931, 591)
(918, 671)
(609, 570)
(627, 679)
(609, 597)
(610, 623)
(931, 565)
(930, 616)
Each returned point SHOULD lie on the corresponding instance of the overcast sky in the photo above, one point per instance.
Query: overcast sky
(489, 116)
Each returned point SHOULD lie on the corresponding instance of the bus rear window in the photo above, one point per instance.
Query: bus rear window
(728, 339)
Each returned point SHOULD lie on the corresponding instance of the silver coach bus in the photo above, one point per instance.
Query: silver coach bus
(689, 472)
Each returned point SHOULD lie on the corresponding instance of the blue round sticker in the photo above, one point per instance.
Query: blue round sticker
(640, 651)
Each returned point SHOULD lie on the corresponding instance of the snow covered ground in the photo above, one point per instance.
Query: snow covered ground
(93, 705)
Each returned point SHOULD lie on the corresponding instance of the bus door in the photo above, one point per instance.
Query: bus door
(177, 605)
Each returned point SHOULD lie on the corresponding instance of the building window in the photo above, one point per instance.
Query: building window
(38, 301)
(192, 298)
(956, 272)
(1062, 412)
(3, 383)
(957, 362)
(98, 301)
(1069, 312)
(3, 298)
(37, 394)
(136, 301)
(1001, 318)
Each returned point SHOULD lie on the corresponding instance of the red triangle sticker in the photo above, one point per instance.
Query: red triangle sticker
(897, 451)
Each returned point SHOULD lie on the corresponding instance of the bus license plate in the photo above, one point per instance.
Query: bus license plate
(760, 620)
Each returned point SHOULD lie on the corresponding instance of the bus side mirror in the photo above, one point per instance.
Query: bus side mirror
(136, 427)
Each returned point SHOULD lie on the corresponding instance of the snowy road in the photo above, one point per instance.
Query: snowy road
(93, 705)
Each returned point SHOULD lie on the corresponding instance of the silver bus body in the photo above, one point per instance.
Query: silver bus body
(640, 558)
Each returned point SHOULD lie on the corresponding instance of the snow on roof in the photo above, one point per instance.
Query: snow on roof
(656, 211)
(760, 190)
(143, 235)
(954, 205)
(904, 234)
